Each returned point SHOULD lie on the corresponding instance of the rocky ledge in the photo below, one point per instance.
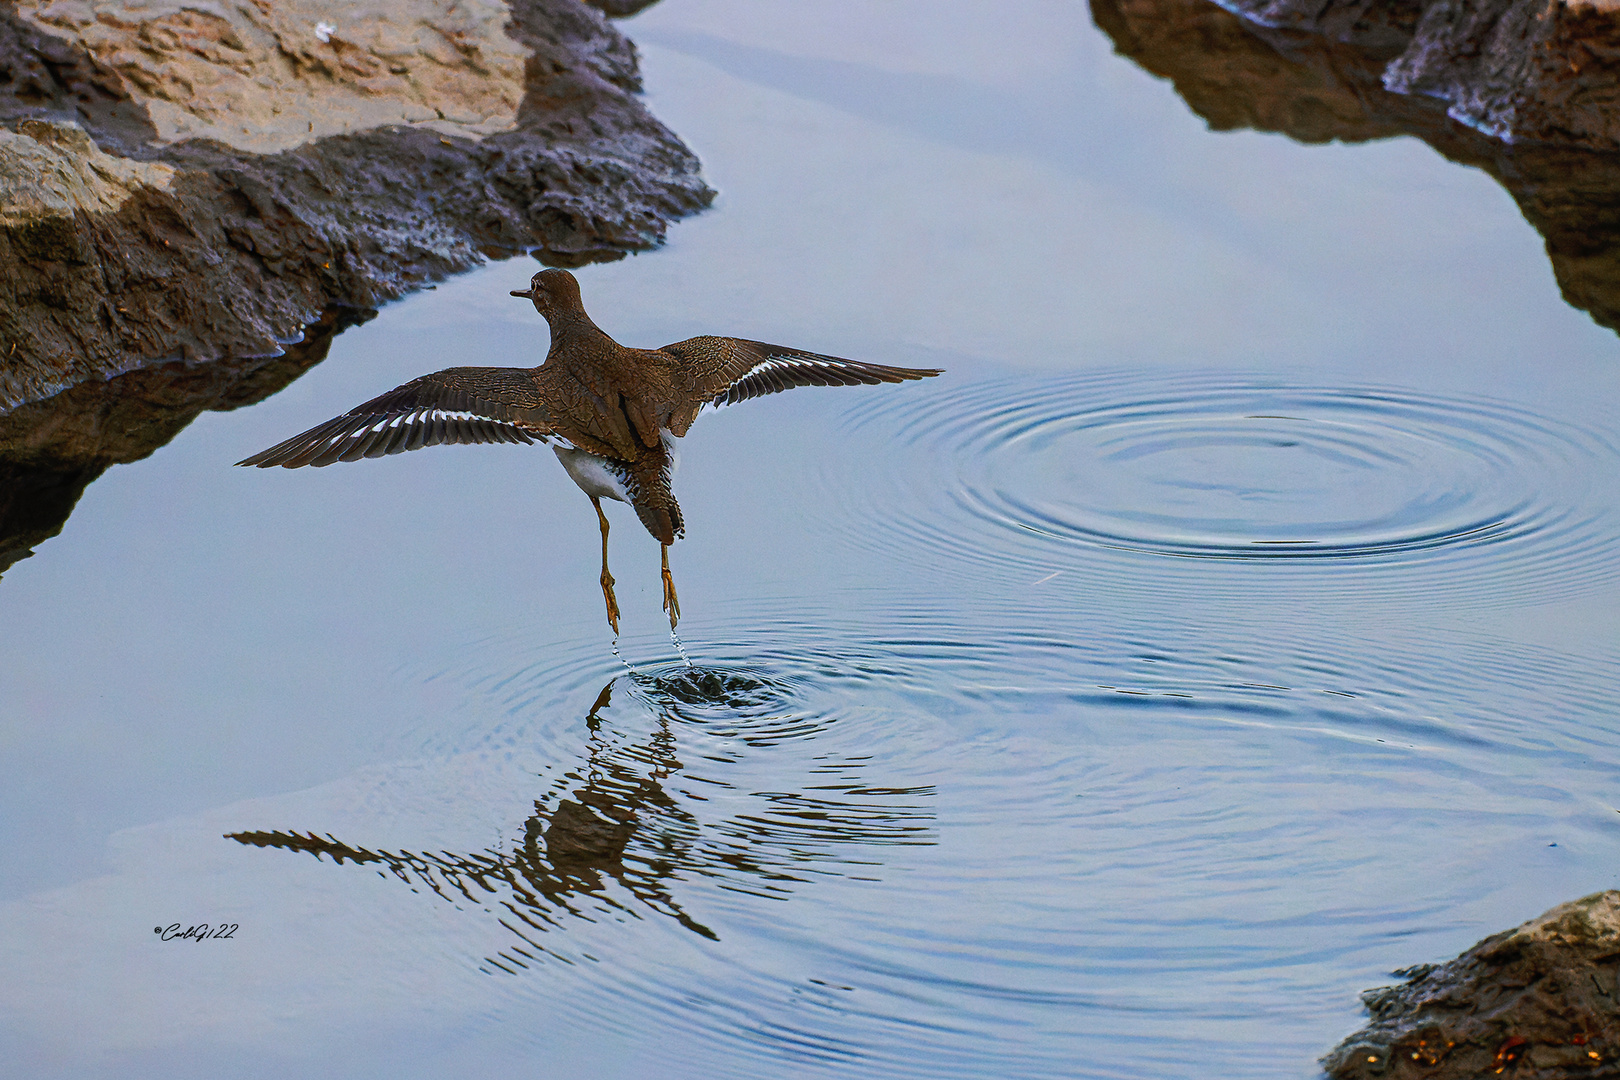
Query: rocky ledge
(1537, 1003)
(193, 181)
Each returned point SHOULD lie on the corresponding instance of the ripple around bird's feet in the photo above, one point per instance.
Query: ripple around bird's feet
(1418, 492)
(936, 835)
(692, 690)
(976, 831)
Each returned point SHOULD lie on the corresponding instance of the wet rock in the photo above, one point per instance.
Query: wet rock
(1538, 1003)
(1518, 70)
(1237, 73)
(197, 181)
(1544, 71)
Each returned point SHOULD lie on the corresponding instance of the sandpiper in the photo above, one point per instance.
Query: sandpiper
(610, 413)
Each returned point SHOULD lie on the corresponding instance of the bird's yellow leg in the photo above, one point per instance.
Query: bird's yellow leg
(672, 603)
(607, 578)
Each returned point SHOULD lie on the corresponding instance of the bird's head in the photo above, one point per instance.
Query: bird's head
(554, 292)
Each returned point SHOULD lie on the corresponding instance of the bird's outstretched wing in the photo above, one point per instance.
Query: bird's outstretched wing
(457, 405)
(724, 371)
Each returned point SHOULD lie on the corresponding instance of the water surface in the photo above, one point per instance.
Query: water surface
(1233, 623)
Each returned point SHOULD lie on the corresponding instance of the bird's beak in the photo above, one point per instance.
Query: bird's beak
(526, 293)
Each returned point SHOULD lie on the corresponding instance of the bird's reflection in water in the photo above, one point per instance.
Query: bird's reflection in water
(616, 819)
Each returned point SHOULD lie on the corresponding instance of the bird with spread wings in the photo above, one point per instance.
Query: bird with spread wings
(607, 411)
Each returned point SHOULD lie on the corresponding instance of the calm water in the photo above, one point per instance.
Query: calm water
(1236, 621)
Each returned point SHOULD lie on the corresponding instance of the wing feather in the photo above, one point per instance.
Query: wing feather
(723, 371)
(458, 405)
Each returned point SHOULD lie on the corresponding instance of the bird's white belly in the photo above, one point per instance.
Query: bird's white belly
(591, 473)
(599, 477)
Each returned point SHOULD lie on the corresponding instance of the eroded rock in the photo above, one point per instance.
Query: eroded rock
(50, 171)
(140, 224)
(1539, 1002)
(1544, 71)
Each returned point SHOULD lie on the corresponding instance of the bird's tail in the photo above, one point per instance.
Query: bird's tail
(648, 485)
(664, 522)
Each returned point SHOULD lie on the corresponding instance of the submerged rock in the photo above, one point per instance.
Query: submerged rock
(1539, 1003)
(1314, 87)
(195, 181)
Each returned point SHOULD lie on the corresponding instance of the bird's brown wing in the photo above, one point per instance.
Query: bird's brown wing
(723, 371)
(457, 405)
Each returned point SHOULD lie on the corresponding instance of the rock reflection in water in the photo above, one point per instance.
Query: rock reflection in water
(51, 450)
(1238, 74)
(616, 819)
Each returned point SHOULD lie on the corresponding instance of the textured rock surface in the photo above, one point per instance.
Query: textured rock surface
(53, 171)
(266, 76)
(1547, 71)
(1518, 70)
(140, 245)
(1238, 74)
(1537, 1003)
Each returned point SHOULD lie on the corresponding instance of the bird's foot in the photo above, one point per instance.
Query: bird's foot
(672, 603)
(612, 602)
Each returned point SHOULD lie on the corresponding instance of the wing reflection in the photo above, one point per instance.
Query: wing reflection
(613, 837)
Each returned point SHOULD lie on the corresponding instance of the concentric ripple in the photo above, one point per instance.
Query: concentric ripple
(901, 844)
(1224, 469)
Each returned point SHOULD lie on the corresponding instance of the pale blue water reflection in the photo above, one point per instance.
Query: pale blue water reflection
(1164, 814)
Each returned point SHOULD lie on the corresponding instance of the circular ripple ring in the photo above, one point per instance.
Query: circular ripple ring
(1433, 491)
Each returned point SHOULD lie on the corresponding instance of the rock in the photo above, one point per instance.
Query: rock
(140, 224)
(266, 77)
(1536, 1003)
(1538, 71)
(1237, 73)
(1517, 70)
(51, 171)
